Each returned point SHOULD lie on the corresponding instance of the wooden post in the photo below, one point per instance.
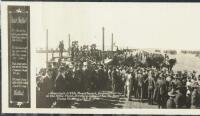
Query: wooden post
(46, 48)
(112, 43)
(69, 45)
(103, 44)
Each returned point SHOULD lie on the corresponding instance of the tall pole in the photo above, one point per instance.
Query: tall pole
(103, 43)
(69, 44)
(46, 48)
(112, 43)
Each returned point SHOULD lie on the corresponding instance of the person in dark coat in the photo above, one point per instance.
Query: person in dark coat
(170, 102)
(54, 73)
(179, 98)
(68, 79)
(60, 81)
(46, 88)
(101, 78)
(85, 80)
(162, 92)
(114, 79)
(78, 78)
(93, 81)
(47, 85)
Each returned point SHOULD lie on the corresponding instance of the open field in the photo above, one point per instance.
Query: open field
(186, 62)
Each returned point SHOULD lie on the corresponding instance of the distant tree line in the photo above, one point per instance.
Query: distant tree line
(190, 52)
(172, 52)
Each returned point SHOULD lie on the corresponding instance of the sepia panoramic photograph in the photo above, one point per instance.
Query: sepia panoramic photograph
(102, 56)
(118, 57)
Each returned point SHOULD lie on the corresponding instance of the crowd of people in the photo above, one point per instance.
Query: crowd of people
(161, 86)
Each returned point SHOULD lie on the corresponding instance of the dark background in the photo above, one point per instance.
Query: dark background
(109, 0)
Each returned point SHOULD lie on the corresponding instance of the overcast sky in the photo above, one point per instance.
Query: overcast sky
(135, 25)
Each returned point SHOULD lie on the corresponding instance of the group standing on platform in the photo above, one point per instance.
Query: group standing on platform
(161, 86)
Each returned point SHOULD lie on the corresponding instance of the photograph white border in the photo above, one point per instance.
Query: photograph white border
(33, 109)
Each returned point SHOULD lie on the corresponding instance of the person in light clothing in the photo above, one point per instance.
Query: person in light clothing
(128, 84)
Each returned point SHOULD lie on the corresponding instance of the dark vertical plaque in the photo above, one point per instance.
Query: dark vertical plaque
(19, 56)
